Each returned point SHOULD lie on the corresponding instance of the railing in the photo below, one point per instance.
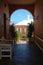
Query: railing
(6, 48)
(39, 42)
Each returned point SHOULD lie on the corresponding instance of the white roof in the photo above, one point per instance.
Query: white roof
(24, 22)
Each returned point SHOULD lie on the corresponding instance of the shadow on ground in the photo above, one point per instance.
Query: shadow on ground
(24, 54)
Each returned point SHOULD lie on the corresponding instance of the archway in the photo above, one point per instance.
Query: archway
(23, 11)
(13, 7)
(21, 18)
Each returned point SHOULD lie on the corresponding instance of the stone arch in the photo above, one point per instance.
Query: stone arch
(25, 10)
(15, 7)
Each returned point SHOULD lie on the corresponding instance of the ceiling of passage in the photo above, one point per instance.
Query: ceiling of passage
(21, 1)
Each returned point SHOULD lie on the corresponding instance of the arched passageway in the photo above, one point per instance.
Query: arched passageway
(35, 55)
(36, 9)
(21, 13)
(34, 6)
(27, 7)
(21, 18)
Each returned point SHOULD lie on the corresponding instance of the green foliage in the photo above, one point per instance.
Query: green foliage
(16, 35)
(24, 35)
(30, 29)
(13, 33)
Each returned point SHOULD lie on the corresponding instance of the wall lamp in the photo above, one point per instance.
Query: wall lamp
(36, 17)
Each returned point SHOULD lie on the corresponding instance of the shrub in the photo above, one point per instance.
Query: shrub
(16, 35)
(24, 35)
(30, 29)
(13, 33)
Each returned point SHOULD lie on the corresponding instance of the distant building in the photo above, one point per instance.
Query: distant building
(21, 27)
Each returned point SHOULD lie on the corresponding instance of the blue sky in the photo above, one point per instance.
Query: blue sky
(19, 15)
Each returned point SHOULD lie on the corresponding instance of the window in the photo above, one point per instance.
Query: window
(19, 29)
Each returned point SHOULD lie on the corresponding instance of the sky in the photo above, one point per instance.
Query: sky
(20, 15)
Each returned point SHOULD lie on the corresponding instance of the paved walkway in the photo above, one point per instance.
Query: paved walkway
(22, 42)
(24, 54)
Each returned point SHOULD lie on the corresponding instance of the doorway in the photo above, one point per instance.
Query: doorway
(4, 25)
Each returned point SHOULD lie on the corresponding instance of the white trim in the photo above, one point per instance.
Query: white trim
(39, 46)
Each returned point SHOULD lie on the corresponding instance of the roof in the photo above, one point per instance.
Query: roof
(24, 22)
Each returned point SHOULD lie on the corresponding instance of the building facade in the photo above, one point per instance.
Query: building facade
(22, 29)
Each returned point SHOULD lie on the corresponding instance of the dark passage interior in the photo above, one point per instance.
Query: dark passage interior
(24, 54)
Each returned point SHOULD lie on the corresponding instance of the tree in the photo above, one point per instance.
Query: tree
(30, 29)
(14, 33)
